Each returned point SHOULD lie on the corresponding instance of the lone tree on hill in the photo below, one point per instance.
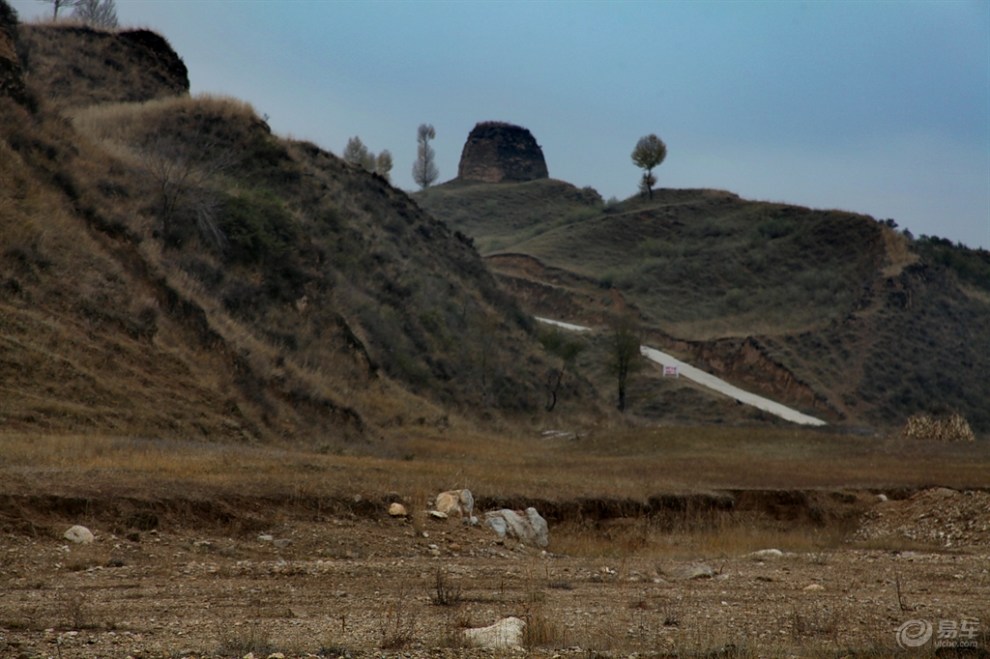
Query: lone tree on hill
(424, 170)
(650, 151)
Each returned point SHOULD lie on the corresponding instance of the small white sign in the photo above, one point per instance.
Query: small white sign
(670, 371)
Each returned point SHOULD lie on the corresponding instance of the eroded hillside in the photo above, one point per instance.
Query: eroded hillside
(170, 267)
(829, 311)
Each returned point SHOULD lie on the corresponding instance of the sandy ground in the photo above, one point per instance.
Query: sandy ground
(344, 585)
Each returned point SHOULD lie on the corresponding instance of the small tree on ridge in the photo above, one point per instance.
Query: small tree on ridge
(650, 151)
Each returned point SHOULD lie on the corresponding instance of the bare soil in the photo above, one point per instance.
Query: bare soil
(234, 578)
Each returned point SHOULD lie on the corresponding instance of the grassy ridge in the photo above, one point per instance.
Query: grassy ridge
(842, 308)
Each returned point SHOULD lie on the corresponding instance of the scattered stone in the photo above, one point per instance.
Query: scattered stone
(396, 509)
(266, 537)
(696, 571)
(529, 527)
(813, 588)
(506, 633)
(79, 535)
(436, 514)
(962, 519)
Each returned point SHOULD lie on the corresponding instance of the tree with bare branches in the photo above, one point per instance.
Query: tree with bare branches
(59, 4)
(96, 13)
(425, 168)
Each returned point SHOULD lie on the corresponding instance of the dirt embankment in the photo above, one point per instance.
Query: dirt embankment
(29, 513)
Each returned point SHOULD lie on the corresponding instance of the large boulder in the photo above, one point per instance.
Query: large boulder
(527, 527)
(506, 633)
(496, 151)
(79, 535)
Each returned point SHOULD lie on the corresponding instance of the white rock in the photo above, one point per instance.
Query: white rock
(506, 633)
(530, 528)
(764, 554)
(79, 535)
(697, 571)
(396, 509)
(460, 502)
(813, 588)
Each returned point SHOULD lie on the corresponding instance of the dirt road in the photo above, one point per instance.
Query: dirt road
(709, 381)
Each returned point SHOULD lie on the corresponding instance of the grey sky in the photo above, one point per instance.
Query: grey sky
(876, 107)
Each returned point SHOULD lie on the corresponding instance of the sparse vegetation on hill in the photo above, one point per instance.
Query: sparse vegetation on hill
(305, 298)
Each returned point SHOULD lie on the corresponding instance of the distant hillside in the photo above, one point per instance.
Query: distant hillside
(168, 267)
(830, 311)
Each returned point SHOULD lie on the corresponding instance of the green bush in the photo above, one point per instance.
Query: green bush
(258, 228)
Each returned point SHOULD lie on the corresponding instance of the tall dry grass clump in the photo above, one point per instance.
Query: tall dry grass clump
(121, 127)
(952, 428)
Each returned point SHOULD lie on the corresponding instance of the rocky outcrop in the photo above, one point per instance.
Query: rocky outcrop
(11, 78)
(496, 151)
(78, 66)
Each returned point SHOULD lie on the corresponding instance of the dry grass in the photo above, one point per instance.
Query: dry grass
(122, 124)
(627, 465)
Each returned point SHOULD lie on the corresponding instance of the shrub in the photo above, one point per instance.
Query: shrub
(258, 228)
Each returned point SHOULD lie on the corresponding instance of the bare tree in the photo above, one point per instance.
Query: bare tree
(182, 173)
(59, 4)
(96, 13)
(425, 169)
(650, 151)
(567, 349)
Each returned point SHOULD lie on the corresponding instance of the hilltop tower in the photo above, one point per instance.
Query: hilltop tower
(496, 151)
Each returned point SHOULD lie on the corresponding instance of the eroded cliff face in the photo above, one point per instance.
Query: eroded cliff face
(496, 151)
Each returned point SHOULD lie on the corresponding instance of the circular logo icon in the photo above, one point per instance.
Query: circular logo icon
(914, 633)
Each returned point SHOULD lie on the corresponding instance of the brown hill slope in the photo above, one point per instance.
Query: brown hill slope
(172, 268)
(829, 311)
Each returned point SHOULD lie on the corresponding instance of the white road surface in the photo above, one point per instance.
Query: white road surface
(708, 380)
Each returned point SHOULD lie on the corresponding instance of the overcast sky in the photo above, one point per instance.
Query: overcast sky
(876, 107)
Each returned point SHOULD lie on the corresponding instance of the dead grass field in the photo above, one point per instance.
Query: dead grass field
(621, 463)
(221, 550)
